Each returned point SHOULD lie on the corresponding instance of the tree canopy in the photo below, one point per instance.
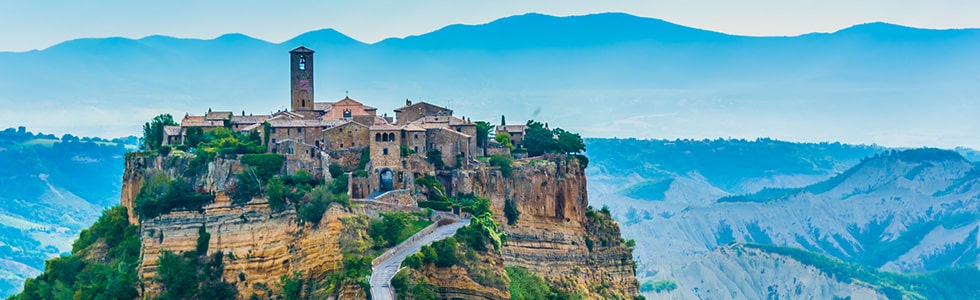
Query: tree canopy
(153, 131)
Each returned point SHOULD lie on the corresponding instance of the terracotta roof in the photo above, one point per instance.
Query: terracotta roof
(440, 121)
(305, 122)
(384, 127)
(346, 122)
(286, 115)
(511, 128)
(252, 127)
(248, 119)
(412, 127)
(199, 121)
(322, 106)
(171, 130)
(301, 49)
(454, 132)
(217, 115)
(422, 103)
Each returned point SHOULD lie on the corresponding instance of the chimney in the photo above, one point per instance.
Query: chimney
(408, 102)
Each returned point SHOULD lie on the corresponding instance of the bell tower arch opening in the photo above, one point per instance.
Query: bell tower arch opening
(301, 78)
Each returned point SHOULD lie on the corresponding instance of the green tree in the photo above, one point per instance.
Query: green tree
(153, 134)
(275, 191)
(445, 252)
(483, 130)
(511, 212)
(247, 187)
(435, 158)
(193, 136)
(504, 162)
(569, 142)
(504, 139)
(537, 139)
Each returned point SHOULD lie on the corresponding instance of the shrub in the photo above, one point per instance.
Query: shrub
(339, 185)
(386, 232)
(164, 150)
(504, 162)
(434, 157)
(203, 240)
(336, 170)
(266, 164)
(247, 187)
(275, 191)
(291, 285)
(510, 211)
(445, 252)
(436, 205)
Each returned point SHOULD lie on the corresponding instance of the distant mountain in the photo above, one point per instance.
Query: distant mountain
(50, 189)
(905, 211)
(625, 75)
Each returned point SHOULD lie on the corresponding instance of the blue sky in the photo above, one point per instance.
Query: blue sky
(37, 24)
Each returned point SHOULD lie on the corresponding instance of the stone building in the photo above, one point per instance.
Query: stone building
(311, 133)
(301, 79)
(347, 135)
(412, 112)
(516, 133)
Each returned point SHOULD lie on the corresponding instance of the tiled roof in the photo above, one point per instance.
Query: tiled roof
(301, 49)
(199, 121)
(422, 103)
(412, 127)
(248, 119)
(511, 128)
(384, 127)
(217, 115)
(322, 106)
(305, 122)
(171, 130)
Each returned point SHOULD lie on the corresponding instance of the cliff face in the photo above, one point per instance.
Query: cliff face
(555, 235)
(554, 232)
(259, 245)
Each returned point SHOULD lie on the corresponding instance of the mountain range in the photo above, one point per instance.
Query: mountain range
(899, 85)
(692, 204)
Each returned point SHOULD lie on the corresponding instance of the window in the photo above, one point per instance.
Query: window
(385, 151)
(299, 130)
(272, 130)
(377, 137)
(416, 136)
(302, 62)
(416, 149)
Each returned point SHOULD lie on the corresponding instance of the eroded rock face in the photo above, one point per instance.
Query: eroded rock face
(551, 233)
(554, 236)
(259, 244)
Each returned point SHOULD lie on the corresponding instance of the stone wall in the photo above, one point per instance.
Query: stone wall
(349, 135)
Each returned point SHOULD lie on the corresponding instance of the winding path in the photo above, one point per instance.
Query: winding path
(385, 269)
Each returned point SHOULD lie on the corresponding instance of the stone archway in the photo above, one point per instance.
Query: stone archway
(386, 180)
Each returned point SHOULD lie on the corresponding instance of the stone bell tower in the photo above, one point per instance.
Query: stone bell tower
(301, 78)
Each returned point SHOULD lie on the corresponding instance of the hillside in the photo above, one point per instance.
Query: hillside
(667, 80)
(907, 211)
(50, 189)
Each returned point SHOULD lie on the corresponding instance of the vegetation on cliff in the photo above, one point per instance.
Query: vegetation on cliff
(102, 264)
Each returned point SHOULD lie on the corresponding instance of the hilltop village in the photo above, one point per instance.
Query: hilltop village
(325, 195)
(312, 135)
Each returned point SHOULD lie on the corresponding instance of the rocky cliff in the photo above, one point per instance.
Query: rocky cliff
(260, 245)
(556, 235)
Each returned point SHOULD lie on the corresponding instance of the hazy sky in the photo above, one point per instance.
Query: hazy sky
(38, 24)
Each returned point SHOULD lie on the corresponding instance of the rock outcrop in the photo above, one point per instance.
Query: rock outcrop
(555, 235)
